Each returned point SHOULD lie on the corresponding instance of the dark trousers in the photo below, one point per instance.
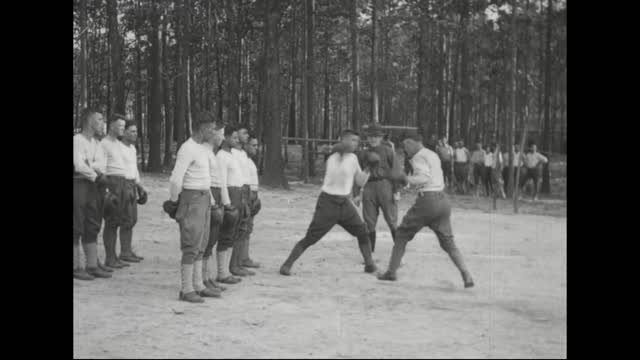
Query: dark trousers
(533, 174)
(431, 209)
(214, 232)
(478, 174)
(124, 217)
(486, 179)
(193, 216)
(331, 210)
(87, 216)
(231, 227)
(446, 171)
(378, 195)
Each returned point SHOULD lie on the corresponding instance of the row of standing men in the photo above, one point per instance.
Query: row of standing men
(464, 170)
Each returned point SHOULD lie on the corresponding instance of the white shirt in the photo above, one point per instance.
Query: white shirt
(427, 171)
(497, 159)
(533, 159)
(235, 177)
(130, 156)
(192, 170)
(114, 155)
(218, 174)
(461, 155)
(88, 157)
(488, 159)
(252, 172)
(342, 171)
(242, 158)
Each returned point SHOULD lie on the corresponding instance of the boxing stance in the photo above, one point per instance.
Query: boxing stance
(334, 205)
(431, 209)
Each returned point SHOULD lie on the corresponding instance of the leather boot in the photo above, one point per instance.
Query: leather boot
(396, 257)
(372, 240)
(297, 250)
(365, 250)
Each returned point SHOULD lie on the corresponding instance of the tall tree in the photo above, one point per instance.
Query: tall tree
(547, 80)
(423, 108)
(310, 59)
(83, 54)
(274, 173)
(139, 104)
(465, 84)
(155, 91)
(327, 86)
(116, 44)
(355, 83)
(181, 73)
(233, 51)
(293, 41)
(168, 119)
(374, 67)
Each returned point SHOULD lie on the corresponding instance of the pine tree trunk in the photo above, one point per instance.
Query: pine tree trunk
(374, 69)
(166, 86)
(233, 87)
(547, 81)
(291, 124)
(181, 74)
(155, 92)
(355, 83)
(139, 105)
(310, 82)
(116, 44)
(83, 55)
(274, 173)
(423, 108)
(465, 89)
(454, 87)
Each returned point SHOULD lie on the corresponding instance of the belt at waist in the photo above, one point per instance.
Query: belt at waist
(335, 198)
(196, 191)
(120, 178)
(376, 179)
(438, 193)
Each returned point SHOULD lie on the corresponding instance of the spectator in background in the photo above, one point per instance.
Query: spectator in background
(516, 163)
(533, 161)
(445, 152)
(496, 172)
(477, 162)
(486, 173)
(461, 166)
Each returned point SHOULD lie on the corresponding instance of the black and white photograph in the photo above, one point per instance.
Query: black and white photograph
(320, 179)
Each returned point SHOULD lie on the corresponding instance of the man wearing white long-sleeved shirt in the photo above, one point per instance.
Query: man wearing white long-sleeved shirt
(334, 203)
(221, 197)
(122, 180)
(190, 187)
(242, 227)
(431, 209)
(251, 148)
(88, 175)
(233, 211)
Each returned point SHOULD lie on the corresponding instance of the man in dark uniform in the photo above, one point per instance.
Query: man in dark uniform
(379, 191)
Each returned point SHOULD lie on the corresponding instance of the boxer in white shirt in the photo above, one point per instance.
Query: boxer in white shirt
(431, 209)
(190, 187)
(461, 160)
(334, 203)
(88, 176)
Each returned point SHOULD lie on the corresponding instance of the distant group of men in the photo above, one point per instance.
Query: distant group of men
(489, 169)
(106, 186)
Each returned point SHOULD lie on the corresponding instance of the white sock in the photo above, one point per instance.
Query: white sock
(187, 278)
(76, 257)
(205, 268)
(212, 269)
(223, 264)
(198, 284)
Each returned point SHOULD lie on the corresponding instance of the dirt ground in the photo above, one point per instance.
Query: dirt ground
(330, 308)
